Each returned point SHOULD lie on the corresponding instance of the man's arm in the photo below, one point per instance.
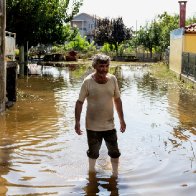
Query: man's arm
(78, 110)
(119, 109)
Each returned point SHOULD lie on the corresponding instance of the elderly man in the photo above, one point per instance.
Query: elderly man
(101, 91)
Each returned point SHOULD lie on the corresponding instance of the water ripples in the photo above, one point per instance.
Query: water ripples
(41, 154)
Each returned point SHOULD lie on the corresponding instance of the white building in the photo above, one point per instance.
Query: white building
(86, 24)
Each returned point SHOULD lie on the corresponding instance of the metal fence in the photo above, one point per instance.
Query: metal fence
(189, 64)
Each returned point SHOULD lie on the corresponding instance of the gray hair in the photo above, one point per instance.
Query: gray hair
(100, 59)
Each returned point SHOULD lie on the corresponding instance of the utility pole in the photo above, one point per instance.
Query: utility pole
(136, 38)
(2, 55)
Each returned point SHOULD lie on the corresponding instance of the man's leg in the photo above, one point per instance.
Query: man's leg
(110, 138)
(92, 163)
(94, 145)
(115, 163)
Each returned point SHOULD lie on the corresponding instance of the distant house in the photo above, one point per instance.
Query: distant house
(86, 24)
(182, 57)
(181, 40)
(190, 38)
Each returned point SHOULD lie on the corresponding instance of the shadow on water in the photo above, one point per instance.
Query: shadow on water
(40, 154)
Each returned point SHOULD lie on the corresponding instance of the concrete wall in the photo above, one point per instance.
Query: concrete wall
(176, 49)
(190, 43)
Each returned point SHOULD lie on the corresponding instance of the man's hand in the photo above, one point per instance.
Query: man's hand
(118, 104)
(77, 128)
(122, 126)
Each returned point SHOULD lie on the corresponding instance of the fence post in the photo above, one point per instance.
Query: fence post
(194, 69)
(182, 63)
(2, 55)
(22, 61)
(188, 65)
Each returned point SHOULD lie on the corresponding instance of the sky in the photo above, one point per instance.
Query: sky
(135, 13)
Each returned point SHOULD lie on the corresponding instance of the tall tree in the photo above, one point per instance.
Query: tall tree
(191, 20)
(156, 34)
(40, 21)
(102, 32)
(119, 33)
(149, 36)
(167, 23)
(111, 31)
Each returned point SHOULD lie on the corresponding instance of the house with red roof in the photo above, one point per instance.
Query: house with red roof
(182, 57)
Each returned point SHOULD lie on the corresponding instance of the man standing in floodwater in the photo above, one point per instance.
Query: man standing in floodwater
(101, 91)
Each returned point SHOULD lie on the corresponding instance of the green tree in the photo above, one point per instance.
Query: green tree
(167, 23)
(156, 34)
(119, 33)
(107, 48)
(148, 36)
(191, 20)
(102, 31)
(111, 31)
(40, 21)
(79, 43)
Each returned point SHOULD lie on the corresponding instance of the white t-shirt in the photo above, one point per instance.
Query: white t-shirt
(99, 114)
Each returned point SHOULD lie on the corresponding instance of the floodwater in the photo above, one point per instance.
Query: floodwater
(40, 154)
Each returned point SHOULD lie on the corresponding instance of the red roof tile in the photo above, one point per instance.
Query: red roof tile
(191, 28)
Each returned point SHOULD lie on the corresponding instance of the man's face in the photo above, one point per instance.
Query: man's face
(102, 69)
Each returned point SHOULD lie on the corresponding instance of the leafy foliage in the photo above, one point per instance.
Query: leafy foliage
(156, 34)
(191, 20)
(167, 23)
(112, 31)
(79, 44)
(40, 21)
(107, 48)
(148, 36)
(102, 31)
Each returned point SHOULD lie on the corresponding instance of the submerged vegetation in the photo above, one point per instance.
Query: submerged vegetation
(165, 76)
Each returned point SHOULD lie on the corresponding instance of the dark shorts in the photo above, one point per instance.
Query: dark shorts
(95, 139)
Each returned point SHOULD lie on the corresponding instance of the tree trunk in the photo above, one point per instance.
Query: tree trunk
(21, 61)
(151, 53)
(116, 48)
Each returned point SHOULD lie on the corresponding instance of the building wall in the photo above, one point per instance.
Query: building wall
(176, 49)
(85, 23)
(190, 43)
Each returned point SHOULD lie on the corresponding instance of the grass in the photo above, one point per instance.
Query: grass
(161, 72)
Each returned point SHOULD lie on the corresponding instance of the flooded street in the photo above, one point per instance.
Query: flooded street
(40, 153)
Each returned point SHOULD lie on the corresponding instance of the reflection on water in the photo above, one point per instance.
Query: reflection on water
(96, 185)
(40, 154)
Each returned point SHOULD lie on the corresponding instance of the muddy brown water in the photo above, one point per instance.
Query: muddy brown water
(40, 154)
